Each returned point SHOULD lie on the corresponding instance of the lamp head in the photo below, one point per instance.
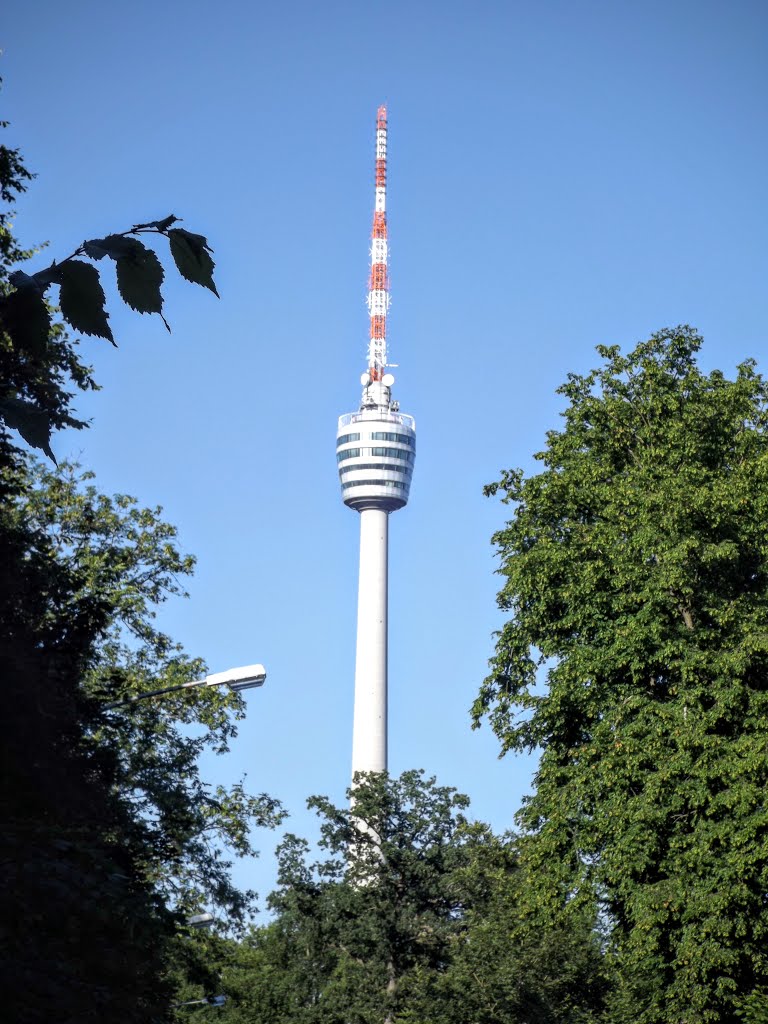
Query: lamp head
(244, 678)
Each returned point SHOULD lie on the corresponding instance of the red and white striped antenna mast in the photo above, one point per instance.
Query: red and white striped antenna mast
(378, 282)
(375, 456)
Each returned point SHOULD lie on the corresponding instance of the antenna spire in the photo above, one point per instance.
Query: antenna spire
(378, 282)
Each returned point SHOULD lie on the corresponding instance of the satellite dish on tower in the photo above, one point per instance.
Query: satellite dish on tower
(363, 378)
(388, 380)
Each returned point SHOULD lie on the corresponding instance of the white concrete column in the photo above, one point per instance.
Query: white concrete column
(369, 739)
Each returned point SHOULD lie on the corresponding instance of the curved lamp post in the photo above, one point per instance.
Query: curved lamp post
(244, 678)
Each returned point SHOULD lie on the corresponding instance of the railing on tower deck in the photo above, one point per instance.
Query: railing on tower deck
(379, 415)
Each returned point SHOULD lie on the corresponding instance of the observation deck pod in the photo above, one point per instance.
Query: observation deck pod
(375, 452)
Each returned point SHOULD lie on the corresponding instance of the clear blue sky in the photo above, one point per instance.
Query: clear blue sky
(562, 174)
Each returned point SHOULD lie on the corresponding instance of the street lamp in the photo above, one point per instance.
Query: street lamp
(244, 678)
(210, 1001)
(205, 920)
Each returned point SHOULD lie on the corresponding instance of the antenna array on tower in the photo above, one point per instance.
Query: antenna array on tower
(378, 282)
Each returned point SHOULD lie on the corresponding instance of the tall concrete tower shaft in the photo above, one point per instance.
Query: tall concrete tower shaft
(375, 452)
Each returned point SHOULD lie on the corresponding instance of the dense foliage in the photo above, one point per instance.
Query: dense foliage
(109, 836)
(414, 916)
(127, 555)
(80, 919)
(384, 904)
(508, 963)
(636, 658)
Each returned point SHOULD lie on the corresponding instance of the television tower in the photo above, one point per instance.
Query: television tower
(375, 452)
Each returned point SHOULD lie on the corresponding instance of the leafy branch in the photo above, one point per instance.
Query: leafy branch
(25, 315)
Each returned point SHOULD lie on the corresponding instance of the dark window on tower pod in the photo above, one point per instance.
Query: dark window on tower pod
(350, 453)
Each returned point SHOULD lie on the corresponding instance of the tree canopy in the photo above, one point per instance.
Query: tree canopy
(382, 906)
(412, 916)
(109, 836)
(635, 572)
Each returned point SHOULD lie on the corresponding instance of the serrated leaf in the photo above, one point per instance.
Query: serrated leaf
(191, 254)
(82, 298)
(25, 317)
(164, 224)
(21, 280)
(46, 277)
(32, 423)
(94, 249)
(115, 246)
(139, 276)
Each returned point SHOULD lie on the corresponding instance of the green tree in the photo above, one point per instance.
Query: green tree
(636, 574)
(754, 1008)
(508, 964)
(110, 836)
(82, 925)
(126, 556)
(416, 918)
(105, 823)
(267, 976)
(354, 930)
